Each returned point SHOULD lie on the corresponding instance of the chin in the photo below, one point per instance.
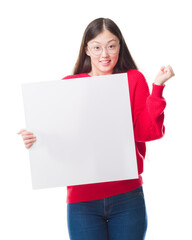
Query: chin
(106, 70)
(103, 70)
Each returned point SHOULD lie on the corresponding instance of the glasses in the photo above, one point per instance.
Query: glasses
(97, 50)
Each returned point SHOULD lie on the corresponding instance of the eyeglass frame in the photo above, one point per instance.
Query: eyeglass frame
(102, 50)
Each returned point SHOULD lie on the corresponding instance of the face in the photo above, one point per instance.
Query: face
(104, 53)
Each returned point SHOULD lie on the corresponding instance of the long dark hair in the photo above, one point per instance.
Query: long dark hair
(125, 60)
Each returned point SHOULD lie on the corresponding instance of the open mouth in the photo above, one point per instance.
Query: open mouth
(105, 62)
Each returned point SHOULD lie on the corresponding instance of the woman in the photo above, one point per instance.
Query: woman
(114, 210)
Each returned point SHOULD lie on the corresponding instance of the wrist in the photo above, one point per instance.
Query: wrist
(160, 83)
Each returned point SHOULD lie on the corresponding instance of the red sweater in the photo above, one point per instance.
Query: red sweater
(148, 117)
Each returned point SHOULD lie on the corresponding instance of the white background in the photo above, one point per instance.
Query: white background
(40, 42)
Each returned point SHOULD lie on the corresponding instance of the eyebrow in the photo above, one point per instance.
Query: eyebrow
(107, 42)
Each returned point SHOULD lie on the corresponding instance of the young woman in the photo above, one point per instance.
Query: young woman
(114, 210)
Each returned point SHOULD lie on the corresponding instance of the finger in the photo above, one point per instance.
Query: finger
(29, 141)
(170, 68)
(27, 133)
(29, 137)
(21, 131)
(28, 145)
(162, 68)
(172, 72)
(25, 137)
(24, 132)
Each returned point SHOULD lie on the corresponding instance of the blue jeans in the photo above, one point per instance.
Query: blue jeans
(120, 217)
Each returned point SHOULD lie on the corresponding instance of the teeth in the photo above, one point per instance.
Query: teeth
(105, 61)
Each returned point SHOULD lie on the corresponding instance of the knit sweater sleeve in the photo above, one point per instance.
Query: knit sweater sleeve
(147, 110)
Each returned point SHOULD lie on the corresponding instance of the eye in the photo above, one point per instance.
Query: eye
(111, 46)
(96, 48)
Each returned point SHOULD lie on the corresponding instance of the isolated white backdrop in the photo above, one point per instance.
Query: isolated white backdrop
(39, 42)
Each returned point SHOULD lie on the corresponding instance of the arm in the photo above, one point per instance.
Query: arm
(148, 110)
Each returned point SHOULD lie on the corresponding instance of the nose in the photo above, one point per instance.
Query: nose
(105, 52)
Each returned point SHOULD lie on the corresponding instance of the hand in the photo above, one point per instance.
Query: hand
(164, 74)
(28, 137)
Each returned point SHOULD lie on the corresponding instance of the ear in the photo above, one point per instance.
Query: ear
(87, 51)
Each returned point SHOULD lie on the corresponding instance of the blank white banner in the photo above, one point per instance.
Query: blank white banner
(84, 131)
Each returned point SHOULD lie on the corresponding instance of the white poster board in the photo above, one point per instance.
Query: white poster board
(83, 128)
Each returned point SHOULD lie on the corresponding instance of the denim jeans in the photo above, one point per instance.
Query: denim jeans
(120, 217)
